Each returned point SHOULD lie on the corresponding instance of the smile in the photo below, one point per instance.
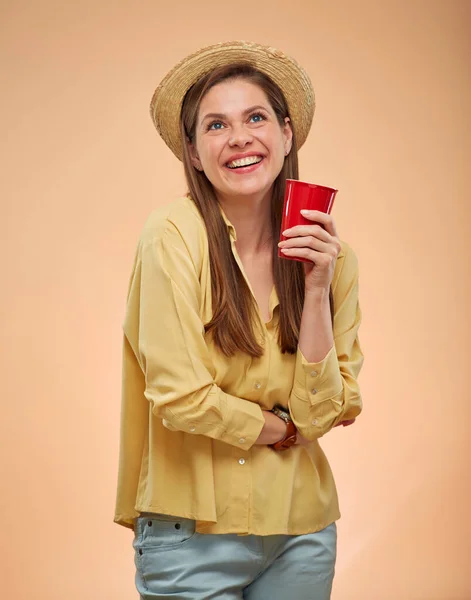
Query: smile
(244, 162)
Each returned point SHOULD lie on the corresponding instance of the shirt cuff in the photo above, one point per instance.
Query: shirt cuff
(316, 382)
(244, 423)
(230, 419)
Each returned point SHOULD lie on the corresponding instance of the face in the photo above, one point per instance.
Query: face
(239, 142)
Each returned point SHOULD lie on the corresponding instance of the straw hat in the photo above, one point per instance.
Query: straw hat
(290, 77)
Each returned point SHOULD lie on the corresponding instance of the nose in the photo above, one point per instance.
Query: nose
(240, 137)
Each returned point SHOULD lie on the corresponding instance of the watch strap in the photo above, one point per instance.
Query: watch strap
(289, 438)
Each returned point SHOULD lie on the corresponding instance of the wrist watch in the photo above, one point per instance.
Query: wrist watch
(291, 431)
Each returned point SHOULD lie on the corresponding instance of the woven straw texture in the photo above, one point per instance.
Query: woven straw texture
(290, 77)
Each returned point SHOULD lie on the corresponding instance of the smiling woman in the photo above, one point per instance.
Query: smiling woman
(230, 369)
(244, 93)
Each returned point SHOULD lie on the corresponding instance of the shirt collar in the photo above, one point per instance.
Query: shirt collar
(233, 234)
(230, 226)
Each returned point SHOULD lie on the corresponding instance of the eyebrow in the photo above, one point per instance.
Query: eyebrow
(223, 116)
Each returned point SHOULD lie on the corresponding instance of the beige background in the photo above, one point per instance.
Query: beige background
(82, 167)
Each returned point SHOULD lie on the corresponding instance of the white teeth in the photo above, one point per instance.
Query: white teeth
(244, 162)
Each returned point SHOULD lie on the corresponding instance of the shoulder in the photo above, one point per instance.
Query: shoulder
(177, 225)
(181, 215)
(347, 254)
(346, 268)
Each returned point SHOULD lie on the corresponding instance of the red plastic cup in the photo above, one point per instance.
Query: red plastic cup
(302, 195)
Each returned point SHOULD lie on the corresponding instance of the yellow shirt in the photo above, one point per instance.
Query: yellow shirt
(190, 415)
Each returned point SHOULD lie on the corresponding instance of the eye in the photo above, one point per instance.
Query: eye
(215, 126)
(257, 118)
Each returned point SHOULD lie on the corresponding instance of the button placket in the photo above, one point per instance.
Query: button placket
(240, 488)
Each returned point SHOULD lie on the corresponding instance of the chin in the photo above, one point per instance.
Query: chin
(249, 189)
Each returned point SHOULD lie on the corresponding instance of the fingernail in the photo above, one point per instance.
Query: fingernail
(304, 211)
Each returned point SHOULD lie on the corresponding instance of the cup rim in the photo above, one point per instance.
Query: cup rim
(324, 187)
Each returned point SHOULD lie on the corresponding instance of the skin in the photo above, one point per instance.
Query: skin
(239, 128)
(244, 198)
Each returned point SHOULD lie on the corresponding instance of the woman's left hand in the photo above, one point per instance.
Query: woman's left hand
(302, 441)
(320, 245)
(346, 423)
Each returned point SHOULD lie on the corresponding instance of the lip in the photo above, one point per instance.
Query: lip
(244, 170)
(243, 155)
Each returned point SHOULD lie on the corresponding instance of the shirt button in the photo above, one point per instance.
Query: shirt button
(314, 421)
(241, 461)
(313, 373)
(314, 391)
(242, 440)
(258, 385)
(192, 429)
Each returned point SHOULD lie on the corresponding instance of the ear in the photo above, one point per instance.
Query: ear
(288, 135)
(195, 160)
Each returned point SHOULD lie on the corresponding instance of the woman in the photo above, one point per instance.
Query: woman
(230, 371)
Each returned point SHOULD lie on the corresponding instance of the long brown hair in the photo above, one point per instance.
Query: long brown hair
(233, 304)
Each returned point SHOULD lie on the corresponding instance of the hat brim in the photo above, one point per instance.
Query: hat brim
(291, 78)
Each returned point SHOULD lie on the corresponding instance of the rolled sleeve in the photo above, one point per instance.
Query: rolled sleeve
(327, 392)
(164, 326)
(317, 381)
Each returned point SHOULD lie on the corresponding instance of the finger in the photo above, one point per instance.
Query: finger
(346, 423)
(315, 231)
(321, 217)
(321, 259)
(308, 242)
(303, 230)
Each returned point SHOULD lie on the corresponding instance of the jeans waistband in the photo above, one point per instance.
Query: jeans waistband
(185, 524)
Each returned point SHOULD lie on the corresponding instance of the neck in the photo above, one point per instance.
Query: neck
(251, 219)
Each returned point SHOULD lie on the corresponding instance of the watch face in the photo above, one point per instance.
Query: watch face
(291, 433)
(281, 413)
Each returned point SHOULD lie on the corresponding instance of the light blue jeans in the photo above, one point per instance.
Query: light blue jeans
(176, 563)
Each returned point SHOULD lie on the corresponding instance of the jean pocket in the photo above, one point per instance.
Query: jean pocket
(162, 532)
